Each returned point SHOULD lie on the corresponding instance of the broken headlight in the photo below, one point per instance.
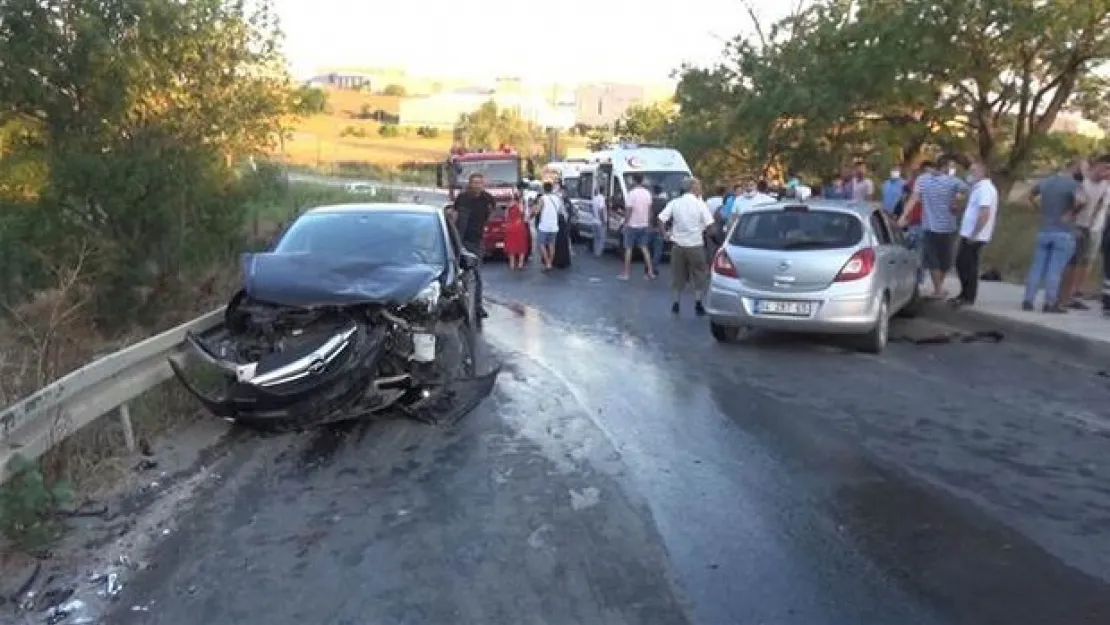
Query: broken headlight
(429, 295)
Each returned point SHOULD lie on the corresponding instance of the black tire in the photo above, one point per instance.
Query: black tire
(874, 342)
(724, 334)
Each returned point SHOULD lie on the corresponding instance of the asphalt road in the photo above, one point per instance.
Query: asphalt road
(629, 470)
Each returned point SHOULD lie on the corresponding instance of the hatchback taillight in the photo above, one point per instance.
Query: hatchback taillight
(722, 265)
(860, 265)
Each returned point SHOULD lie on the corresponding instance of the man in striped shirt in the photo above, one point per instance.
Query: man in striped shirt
(939, 193)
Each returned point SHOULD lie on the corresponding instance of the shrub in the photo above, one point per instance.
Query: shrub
(31, 508)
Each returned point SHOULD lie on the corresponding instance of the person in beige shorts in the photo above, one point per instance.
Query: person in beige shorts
(690, 218)
(1089, 224)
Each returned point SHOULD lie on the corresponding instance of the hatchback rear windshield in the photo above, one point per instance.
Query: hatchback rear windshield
(797, 230)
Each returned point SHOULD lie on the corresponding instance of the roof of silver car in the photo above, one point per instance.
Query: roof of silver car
(862, 209)
(374, 207)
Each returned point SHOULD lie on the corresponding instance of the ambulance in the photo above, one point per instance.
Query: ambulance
(663, 168)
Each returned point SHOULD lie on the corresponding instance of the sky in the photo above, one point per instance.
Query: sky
(564, 41)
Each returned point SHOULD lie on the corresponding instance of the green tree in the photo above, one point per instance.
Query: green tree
(308, 100)
(488, 127)
(891, 81)
(599, 138)
(646, 123)
(141, 109)
(394, 90)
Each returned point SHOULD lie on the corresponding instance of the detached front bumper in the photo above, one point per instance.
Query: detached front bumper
(316, 381)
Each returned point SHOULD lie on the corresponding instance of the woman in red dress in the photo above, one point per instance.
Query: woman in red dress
(516, 236)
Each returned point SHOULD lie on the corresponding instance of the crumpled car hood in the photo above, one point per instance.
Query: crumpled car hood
(306, 281)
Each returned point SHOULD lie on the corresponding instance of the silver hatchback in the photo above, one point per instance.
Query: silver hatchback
(819, 266)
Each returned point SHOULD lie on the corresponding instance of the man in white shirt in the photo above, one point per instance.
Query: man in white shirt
(1089, 224)
(600, 210)
(862, 187)
(976, 229)
(637, 225)
(548, 226)
(690, 218)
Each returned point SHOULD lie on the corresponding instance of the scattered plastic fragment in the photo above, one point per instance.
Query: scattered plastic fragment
(61, 613)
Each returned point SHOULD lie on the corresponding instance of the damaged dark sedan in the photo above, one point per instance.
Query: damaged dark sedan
(357, 309)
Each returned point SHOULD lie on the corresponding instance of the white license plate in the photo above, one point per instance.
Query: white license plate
(499, 244)
(423, 347)
(792, 309)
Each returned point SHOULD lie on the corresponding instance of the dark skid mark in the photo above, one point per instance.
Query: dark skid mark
(989, 336)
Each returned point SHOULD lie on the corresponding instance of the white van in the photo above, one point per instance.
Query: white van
(663, 168)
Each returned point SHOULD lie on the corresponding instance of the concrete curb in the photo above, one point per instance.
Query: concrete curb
(1091, 351)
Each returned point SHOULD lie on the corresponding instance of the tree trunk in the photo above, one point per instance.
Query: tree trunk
(1004, 182)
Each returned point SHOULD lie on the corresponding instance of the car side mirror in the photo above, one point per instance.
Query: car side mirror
(468, 261)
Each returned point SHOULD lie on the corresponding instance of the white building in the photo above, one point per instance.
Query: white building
(444, 109)
(604, 104)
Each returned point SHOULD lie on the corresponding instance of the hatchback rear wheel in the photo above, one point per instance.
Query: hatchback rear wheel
(874, 342)
(724, 334)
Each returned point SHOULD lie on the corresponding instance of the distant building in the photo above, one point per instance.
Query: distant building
(337, 80)
(604, 104)
(442, 110)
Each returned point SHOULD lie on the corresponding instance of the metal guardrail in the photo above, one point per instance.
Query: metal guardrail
(33, 426)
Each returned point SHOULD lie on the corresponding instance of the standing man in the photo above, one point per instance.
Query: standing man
(1088, 233)
(976, 228)
(937, 192)
(892, 190)
(725, 211)
(548, 225)
(637, 221)
(470, 213)
(862, 187)
(600, 210)
(690, 218)
(749, 197)
(717, 201)
(1059, 198)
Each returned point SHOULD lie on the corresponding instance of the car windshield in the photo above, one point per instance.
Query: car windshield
(797, 230)
(504, 173)
(388, 237)
(669, 181)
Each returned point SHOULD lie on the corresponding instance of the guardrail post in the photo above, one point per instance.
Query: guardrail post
(128, 431)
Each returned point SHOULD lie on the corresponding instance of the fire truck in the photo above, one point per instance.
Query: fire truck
(503, 171)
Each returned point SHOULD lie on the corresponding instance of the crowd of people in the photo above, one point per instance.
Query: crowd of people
(949, 218)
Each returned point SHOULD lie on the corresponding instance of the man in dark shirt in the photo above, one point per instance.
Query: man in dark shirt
(471, 212)
(658, 235)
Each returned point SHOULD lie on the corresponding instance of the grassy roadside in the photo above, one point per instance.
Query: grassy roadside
(1011, 249)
